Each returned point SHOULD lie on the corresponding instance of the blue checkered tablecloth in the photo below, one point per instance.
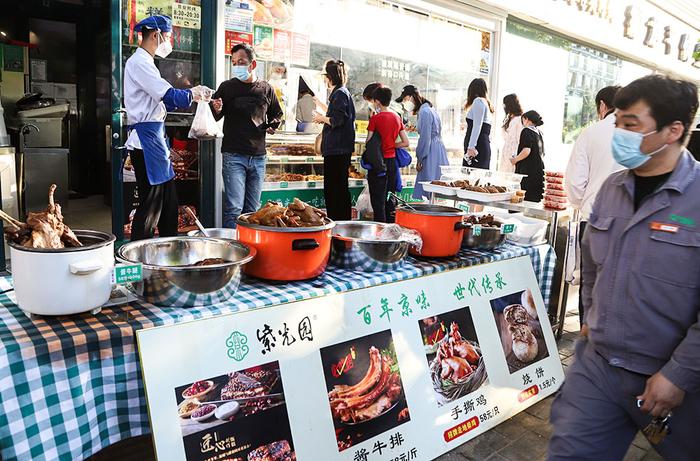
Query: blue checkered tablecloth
(71, 386)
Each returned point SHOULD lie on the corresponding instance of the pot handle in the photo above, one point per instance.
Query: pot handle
(462, 225)
(85, 267)
(304, 244)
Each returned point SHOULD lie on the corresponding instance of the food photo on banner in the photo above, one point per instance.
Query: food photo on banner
(240, 416)
(455, 361)
(365, 393)
(520, 330)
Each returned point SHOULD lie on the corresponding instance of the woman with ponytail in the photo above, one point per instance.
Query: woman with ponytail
(337, 141)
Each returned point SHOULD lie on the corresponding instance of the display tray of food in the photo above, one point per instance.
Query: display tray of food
(439, 187)
(481, 191)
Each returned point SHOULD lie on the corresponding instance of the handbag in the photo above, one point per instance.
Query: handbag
(403, 158)
(317, 144)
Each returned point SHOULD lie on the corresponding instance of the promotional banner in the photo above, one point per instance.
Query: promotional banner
(263, 41)
(233, 38)
(402, 371)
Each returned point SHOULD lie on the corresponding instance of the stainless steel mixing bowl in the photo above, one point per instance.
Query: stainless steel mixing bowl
(356, 246)
(216, 232)
(170, 278)
(490, 238)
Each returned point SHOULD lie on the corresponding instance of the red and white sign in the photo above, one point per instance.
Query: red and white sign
(234, 38)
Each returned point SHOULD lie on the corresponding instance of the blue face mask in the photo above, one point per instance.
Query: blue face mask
(626, 148)
(240, 72)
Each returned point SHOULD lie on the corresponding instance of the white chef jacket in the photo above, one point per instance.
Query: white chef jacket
(144, 89)
(590, 164)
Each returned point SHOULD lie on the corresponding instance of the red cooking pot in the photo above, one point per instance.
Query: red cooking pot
(286, 253)
(441, 228)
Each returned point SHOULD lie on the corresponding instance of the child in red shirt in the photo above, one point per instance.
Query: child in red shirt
(389, 126)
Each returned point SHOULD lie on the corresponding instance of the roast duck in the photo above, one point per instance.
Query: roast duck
(458, 359)
(44, 229)
(373, 395)
(297, 214)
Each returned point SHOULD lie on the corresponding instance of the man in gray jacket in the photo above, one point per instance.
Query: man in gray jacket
(640, 355)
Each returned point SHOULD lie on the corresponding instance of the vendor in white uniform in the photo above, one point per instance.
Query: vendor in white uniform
(147, 98)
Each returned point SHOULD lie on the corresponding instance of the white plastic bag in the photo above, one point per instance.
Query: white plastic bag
(364, 205)
(204, 125)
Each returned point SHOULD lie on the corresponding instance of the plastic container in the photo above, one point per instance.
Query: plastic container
(528, 231)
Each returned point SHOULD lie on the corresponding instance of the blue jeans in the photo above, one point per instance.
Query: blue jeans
(243, 179)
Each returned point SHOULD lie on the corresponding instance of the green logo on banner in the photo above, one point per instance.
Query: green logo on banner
(127, 273)
(236, 344)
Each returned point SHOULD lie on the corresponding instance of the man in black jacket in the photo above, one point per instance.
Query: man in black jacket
(250, 110)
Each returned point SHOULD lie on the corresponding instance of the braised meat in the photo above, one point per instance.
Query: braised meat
(373, 395)
(210, 262)
(275, 451)
(44, 229)
(297, 214)
(457, 357)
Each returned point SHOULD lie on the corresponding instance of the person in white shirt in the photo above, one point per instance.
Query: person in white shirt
(591, 161)
(477, 142)
(147, 98)
(512, 127)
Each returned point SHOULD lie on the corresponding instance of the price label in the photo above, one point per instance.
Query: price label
(463, 207)
(127, 273)
(284, 159)
(310, 159)
(311, 184)
(359, 182)
(284, 185)
(507, 228)
(476, 230)
(409, 183)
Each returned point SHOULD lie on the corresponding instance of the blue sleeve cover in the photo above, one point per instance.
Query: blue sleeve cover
(177, 99)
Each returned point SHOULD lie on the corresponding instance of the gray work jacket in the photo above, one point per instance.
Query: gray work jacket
(642, 276)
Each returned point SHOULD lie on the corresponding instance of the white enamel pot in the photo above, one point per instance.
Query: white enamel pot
(64, 281)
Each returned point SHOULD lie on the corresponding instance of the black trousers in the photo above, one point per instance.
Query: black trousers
(158, 205)
(335, 187)
(581, 229)
(379, 187)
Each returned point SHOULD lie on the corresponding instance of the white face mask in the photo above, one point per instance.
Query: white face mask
(164, 48)
(408, 106)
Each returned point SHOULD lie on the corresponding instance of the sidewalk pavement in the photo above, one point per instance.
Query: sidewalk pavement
(525, 436)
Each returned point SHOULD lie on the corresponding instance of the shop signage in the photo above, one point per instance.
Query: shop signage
(634, 21)
(233, 38)
(263, 41)
(187, 16)
(282, 45)
(301, 49)
(435, 356)
(126, 273)
(239, 17)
